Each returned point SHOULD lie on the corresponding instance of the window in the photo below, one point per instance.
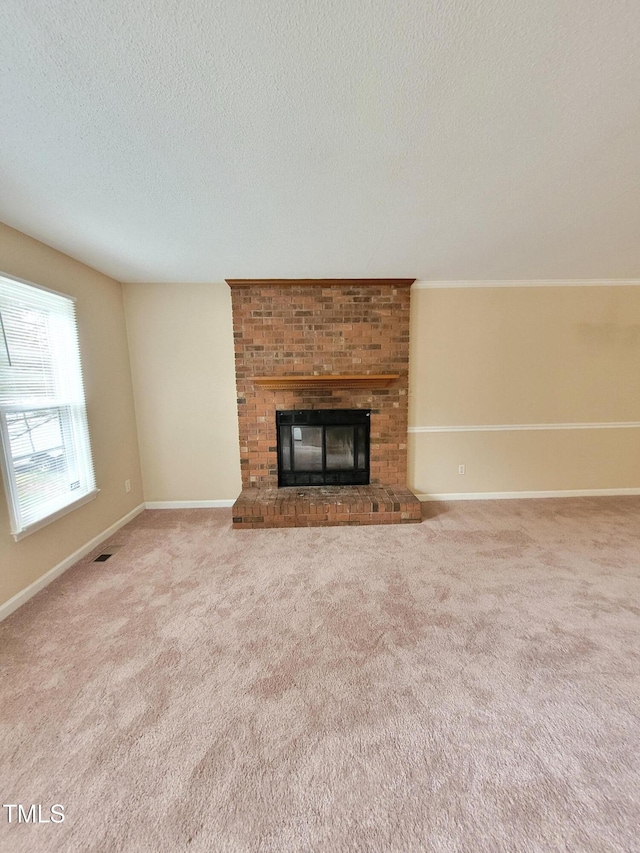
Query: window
(46, 453)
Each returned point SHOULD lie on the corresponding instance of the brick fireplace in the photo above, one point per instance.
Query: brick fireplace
(322, 344)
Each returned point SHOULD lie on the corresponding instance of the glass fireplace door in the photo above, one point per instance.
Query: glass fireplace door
(319, 447)
(340, 447)
(307, 448)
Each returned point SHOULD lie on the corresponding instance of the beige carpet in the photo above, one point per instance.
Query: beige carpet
(468, 684)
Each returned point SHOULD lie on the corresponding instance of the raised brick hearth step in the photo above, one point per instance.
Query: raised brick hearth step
(317, 506)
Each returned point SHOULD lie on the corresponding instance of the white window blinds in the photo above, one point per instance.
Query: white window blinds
(46, 456)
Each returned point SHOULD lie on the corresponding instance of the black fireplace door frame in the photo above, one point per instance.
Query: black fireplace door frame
(352, 476)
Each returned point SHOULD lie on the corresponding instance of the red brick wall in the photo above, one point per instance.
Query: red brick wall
(298, 329)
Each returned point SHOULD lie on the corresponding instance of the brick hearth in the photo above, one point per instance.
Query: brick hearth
(325, 505)
(319, 328)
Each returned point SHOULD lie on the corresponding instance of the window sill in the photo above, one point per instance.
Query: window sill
(54, 516)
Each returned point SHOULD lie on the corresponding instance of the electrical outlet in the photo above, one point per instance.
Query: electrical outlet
(462, 469)
(127, 485)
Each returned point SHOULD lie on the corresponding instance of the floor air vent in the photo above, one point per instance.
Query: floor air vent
(109, 551)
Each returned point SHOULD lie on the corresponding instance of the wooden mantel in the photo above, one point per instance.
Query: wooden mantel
(326, 380)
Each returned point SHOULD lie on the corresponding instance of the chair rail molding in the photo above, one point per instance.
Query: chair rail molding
(524, 427)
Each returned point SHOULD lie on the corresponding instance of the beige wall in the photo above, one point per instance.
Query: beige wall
(495, 356)
(181, 344)
(103, 344)
(479, 356)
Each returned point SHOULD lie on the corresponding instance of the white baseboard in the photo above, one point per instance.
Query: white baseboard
(188, 504)
(453, 496)
(28, 592)
(498, 496)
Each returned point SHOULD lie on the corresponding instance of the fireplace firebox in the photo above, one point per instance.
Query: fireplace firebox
(323, 447)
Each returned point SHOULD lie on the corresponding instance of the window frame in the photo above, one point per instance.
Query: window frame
(7, 466)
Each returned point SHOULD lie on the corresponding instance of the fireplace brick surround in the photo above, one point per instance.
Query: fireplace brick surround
(321, 328)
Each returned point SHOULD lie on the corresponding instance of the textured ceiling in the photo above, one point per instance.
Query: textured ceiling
(196, 140)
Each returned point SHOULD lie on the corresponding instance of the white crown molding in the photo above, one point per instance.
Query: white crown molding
(523, 427)
(499, 496)
(552, 282)
(189, 504)
(28, 592)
